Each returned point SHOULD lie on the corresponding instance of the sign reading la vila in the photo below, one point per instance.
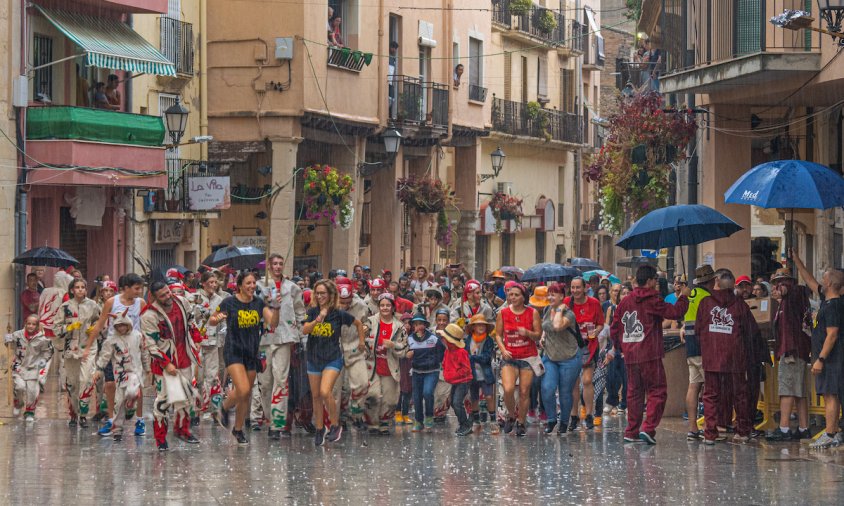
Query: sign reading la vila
(209, 193)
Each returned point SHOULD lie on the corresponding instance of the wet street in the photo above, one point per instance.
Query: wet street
(53, 464)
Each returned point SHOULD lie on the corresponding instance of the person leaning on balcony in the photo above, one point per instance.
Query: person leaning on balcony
(336, 37)
(458, 73)
(100, 98)
(112, 93)
(654, 59)
(328, 22)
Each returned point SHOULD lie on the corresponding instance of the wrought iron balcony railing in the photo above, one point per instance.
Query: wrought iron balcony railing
(177, 44)
(517, 118)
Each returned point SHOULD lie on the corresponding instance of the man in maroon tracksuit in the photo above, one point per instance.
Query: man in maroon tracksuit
(637, 331)
(726, 330)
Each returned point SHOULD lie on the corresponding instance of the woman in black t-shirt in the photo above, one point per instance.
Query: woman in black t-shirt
(324, 354)
(245, 316)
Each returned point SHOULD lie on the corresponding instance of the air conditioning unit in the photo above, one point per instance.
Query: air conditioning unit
(504, 187)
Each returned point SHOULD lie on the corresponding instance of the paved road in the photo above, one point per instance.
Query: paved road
(53, 464)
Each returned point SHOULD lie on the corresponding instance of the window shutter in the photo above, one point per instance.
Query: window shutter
(508, 76)
(542, 76)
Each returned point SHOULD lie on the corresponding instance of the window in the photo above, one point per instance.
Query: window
(481, 255)
(42, 51)
(347, 11)
(476, 63)
(540, 245)
(542, 76)
(567, 90)
(508, 76)
(507, 241)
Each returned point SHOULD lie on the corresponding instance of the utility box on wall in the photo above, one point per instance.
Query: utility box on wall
(284, 48)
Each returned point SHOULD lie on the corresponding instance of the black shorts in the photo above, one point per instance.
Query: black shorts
(108, 372)
(250, 361)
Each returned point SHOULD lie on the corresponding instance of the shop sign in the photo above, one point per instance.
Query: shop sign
(208, 193)
(169, 231)
(256, 241)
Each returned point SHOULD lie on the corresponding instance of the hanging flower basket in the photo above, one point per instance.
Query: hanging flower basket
(445, 231)
(505, 208)
(423, 194)
(328, 195)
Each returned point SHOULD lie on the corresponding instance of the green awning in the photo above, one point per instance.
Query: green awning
(110, 44)
(98, 125)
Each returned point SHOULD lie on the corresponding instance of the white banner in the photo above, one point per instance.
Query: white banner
(209, 193)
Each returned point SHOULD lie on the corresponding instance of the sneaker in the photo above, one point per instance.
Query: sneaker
(598, 421)
(531, 416)
(694, 435)
(140, 427)
(802, 434)
(384, 429)
(187, 437)
(607, 409)
(359, 425)
(163, 446)
(16, 412)
(574, 423)
(562, 430)
(83, 422)
(309, 427)
(778, 436)
(740, 439)
(494, 429)
(549, 427)
(839, 438)
(590, 422)
(622, 411)
(335, 433)
(257, 427)
(709, 442)
(417, 427)
(274, 435)
(508, 425)
(439, 419)
(286, 433)
(105, 430)
(223, 417)
(644, 436)
(628, 439)
(72, 422)
(118, 436)
(240, 437)
(407, 420)
(319, 437)
(543, 417)
(399, 419)
(824, 441)
(520, 430)
(465, 430)
(429, 422)
(194, 421)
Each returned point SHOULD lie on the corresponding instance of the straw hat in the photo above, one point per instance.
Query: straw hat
(479, 319)
(782, 274)
(703, 274)
(539, 297)
(453, 334)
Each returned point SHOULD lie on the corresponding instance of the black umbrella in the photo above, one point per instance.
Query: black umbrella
(46, 256)
(236, 257)
(584, 264)
(549, 272)
(634, 262)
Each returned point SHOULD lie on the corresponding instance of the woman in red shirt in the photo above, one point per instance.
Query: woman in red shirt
(388, 345)
(517, 329)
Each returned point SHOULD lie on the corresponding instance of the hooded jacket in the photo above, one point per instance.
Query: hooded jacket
(125, 352)
(291, 314)
(71, 324)
(637, 325)
(32, 355)
(159, 337)
(729, 337)
(457, 367)
(395, 354)
(51, 300)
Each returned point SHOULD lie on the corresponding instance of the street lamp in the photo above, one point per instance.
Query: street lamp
(832, 11)
(392, 141)
(176, 117)
(497, 157)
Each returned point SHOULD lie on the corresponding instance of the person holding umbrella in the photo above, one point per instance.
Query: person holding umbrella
(637, 331)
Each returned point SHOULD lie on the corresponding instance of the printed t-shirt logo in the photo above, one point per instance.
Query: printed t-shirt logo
(323, 329)
(721, 322)
(634, 331)
(247, 318)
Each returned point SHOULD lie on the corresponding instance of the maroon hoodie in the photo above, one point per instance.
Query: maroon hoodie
(725, 327)
(637, 326)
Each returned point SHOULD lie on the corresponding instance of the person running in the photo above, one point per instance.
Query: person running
(205, 301)
(32, 351)
(563, 358)
(131, 287)
(352, 386)
(617, 376)
(517, 329)
(457, 371)
(74, 320)
(107, 291)
(637, 332)
(471, 305)
(481, 353)
(244, 314)
(388, 345)
(590, 318)
(325, 356)
(426, 355)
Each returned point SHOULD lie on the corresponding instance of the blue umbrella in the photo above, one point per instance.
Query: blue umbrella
(681, 225)
(549, 272)
(788, 184)
(602, 273)
(584, 263)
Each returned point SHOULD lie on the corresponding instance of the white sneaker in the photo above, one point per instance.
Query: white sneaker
(839, 438)
(607, 409)
(824, 441)
(206, 416)
(29, 419)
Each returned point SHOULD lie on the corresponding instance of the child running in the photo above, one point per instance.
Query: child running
(457, 372)
(426, 355)
(33, 351)
(481, 352)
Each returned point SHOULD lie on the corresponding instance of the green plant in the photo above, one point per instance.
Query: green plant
(506, 207)
(445, 231)
(424, 194)
(634, 9)
(327, 194)
(520, 7)
(537, 116)
(546, 21)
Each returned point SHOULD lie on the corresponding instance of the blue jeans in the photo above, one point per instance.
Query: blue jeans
(423, 390)
(560, 376)
(617, 380)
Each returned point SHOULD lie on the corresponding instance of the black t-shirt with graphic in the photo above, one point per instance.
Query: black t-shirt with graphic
(324, 340)
(244, 325)
(830, 314)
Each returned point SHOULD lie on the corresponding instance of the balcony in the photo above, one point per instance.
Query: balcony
(734, 47)
(347, 59)
(536, 24)
(106, 147)
(177, 197)
(477, 93)
(516, 118)
(177, 44)
(414, 102)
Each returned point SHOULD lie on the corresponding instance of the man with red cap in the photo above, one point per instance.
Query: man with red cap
(637, 331)
(472, 304)
(744, 287)
(377, 286)
(353, 384)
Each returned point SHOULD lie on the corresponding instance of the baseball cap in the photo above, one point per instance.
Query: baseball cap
(743, 279)
(377, 283)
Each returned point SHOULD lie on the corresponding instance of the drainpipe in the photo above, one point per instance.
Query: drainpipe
(21, 203)
(382, 112)
(129, 224)
(449, 51)
(203, 104)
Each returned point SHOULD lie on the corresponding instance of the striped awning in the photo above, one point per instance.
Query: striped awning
(110, 44)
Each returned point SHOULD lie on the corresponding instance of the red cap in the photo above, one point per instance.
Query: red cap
(345, 291)
(110, 284)
(743, 279)
(306, 296)
(342, 280)
(174, 273)
(377, 283)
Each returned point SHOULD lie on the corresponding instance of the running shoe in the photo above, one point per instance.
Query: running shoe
(194, 421)
(839, 437)
(99, 417)
(562, 430)
(319, 437)
(384, 429)
(520, 430)
(163, 446)
(628, 439)
(240, 437)
(16, 412)
(72, 422)
(574, 423)
(709, 442)
(607, 409)
(417, 427)
(644, 436)
(105, 430)
(223, 417)
(823, 442)
(399, 419)
(464, 430)
(187, 437)
(740, 439)
(274, 435)
(83, 422)
(508, 425)
(407, 420)
(778, 436)
(335, 433)
(118, 436)
(531, 416)
(802, 434)
(257, 426)
(429, 422)
(694, 435)
(140, 427)
(590, 422)
(549, 427)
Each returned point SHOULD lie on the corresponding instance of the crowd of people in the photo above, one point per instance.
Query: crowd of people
(256, 351)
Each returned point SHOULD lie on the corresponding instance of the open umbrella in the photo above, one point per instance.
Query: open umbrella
(584, 263)
(517, 272)
(236, 257)
(45, 256)
(635, 261)
(788, 184)
(549, 272)
(602, 273)
(681, 225)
